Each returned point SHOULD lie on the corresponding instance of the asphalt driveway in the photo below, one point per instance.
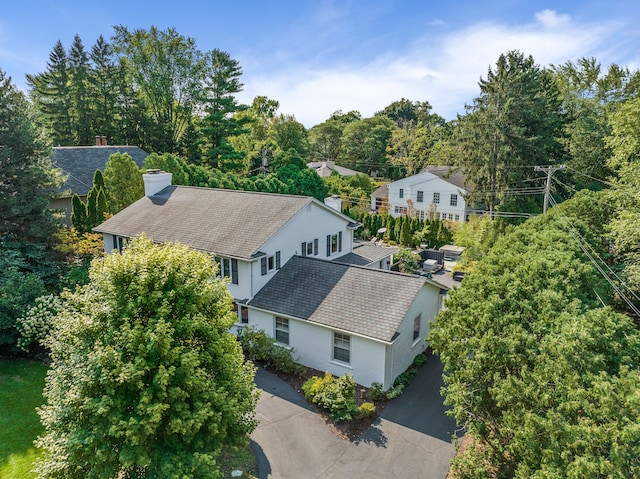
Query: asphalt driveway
(412, 438)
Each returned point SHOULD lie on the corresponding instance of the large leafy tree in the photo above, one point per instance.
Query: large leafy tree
(364, 145)
(122, 182)
(406, 111)
(146, 380)
(514, 123)
(590, 95)
(166, 71)
(536, 370)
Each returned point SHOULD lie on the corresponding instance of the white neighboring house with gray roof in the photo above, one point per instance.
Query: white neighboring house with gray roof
(287, 260)
(437, 192)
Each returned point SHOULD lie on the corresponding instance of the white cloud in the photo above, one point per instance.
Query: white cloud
(443, 70)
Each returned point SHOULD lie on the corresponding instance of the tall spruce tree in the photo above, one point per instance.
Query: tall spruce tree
(52, 95)
(80, 96)
(514, 123)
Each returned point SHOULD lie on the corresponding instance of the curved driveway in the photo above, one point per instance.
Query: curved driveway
(412, 438)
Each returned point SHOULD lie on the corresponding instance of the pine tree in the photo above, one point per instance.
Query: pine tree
(80, 71)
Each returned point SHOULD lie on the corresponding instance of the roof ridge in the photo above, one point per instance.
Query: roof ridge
(364, 268)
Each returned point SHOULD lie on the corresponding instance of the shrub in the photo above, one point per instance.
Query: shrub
(406, 377)
(258, 346)
(376, 392)
(367, 410)
(337, 395)
(419, 360)
(36, 323)
(395, 391)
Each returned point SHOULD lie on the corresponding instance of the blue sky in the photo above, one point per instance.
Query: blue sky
(316, 57)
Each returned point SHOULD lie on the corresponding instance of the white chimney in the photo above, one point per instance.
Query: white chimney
(335, 202)
(155, 181)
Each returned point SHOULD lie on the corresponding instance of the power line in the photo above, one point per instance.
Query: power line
(591, 177)
(581, 243)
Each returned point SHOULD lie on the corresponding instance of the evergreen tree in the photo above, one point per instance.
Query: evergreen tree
(514, 123)
(78, 214)
(79, 73)
(105, 94)
(27, 175)
(52, 96)
(96, 202)
(222, 82)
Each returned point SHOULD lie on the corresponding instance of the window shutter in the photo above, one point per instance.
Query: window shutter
(277, 259)
(263, 265)
(304, 248)
(328, 245)
(315, 247)
(234, 271)
(339, 241)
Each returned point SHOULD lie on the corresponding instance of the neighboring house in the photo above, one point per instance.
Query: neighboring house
(437, 192)
(380, 198)
(261, 241)
(79, 163)
(325, 168)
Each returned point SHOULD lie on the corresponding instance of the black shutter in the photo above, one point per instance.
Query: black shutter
(263, 265)
(339, 241)
(234, 271)
(304, 249)
(277, 259)
(315, 247)
(328, 245)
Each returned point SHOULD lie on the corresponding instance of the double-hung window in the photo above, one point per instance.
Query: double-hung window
(401, 193)
(416, 327)
(282, 330)
(228, 268)
(244, 315)
(436, 198)
(420, 196)
(454, 200)
(342, 347)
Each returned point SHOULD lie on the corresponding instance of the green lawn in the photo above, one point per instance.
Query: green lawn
(21, 384)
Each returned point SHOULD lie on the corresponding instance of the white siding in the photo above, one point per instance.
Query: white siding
(428, 184)
(312, 222)
(400, 355)
(313, 345)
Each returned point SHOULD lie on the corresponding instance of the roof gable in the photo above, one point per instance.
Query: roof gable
(81, 162)
(340, 296)
(434, 173)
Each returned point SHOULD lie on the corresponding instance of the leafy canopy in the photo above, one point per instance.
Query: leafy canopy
(146, 380)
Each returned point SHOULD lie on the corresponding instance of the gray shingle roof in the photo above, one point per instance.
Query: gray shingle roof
(225, 222)
(450, 175)
(366, 253)
(81, 162)
(340, 296)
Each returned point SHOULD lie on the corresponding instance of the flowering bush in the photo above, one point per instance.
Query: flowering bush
(36, 323)
(337, 395)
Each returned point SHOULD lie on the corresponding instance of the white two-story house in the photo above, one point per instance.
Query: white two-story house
(293, 271)
(435, 193)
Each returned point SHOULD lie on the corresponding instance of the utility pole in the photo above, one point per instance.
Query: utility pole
(549, 170)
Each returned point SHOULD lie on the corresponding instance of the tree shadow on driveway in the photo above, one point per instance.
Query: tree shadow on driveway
(421, 407)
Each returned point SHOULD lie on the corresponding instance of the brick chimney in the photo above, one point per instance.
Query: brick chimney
(104, 140)
(155, 181)
(97, 140)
